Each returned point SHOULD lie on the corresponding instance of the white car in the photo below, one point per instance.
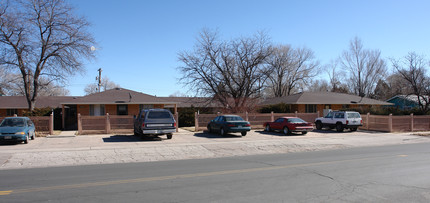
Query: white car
(340, 120)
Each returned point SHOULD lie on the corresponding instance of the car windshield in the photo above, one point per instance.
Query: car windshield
(233, 118)
(353, 115)
(14, 122)
(296, 120)
(158, 114)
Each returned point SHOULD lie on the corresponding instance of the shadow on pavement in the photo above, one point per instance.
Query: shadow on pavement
(206, 134)
(10, 142)
(274, 133)
(130, 138)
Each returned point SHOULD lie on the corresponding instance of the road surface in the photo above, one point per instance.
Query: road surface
(397, 173)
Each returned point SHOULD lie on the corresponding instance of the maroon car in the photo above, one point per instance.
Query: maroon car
(288, 125)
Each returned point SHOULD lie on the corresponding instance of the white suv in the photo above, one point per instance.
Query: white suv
(340, 120)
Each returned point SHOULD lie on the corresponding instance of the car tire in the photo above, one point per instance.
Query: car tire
(353, 129)
(169, 136)
(222, 132)
(210, 129)
(318, 125)
(339, 127)
(134, 132)
(304, 132)
(33, 137)
(267, 128)
(286, 131)
(243, 133)
(26, 140)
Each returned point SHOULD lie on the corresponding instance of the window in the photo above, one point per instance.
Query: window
(279, 120)
(11, 112)
(310, 108)
(97, 110)
(339, 115)
(158, 114)
(329, 115)
(121, 109)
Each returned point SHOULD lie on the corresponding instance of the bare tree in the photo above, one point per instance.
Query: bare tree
(318, 86)
(290, 68)
(365, 67)
(106, 84)
(231, 72)
(413, 69)
(42, 38)
(12, 86)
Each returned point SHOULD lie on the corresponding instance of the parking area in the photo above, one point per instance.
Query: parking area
(124, 148)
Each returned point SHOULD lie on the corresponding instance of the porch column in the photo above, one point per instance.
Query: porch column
(63, 122)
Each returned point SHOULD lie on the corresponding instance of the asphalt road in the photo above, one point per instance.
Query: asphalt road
(398, 173)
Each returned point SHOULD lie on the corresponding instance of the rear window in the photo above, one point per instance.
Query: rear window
(158, 114)
(296, 120)
(234, 118)
(353, 115)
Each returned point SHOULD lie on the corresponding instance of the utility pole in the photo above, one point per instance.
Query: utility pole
(100, 79)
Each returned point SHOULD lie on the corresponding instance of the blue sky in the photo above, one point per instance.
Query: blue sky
(139, 40)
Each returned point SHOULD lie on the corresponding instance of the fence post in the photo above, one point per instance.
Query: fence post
(367, 120)
(390, 122)
(272, 118)
(79, 124)
(108, 129)
(246, 116)
(196, 121)
(51, 124)
(296, 113)
(412, 122)
(177, 121)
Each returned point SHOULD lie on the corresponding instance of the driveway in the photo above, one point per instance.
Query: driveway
(106, 149)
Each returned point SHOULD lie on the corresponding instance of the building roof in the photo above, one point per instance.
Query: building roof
(323, 98)
(20, 102)
(411, 98)
(119, 96)
(193, 101)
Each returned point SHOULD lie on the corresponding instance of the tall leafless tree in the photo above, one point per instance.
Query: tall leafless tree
(364, 67)
(413, 68)
(42, 38)
(289, 69)
(231, 72)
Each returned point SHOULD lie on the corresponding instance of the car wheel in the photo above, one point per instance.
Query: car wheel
(33, 137)
(304, 132)
(267, 129)
(353, 129)
(222, 132)
(339, 127)
(286, 131)
(319, 125)
(134, 132)
(169, 136)
(243, 133)
(210, 129)
(26, 140)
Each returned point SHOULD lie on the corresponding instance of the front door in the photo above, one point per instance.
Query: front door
(70, 117)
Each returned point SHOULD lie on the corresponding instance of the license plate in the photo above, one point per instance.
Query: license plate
(239, 126)
(354, 121)
(7, 137)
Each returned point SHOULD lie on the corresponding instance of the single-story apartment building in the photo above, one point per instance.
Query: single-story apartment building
(311, 102)
(117, 101)
(407, 102)
(121, 101)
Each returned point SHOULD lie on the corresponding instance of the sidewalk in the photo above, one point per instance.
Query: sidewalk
(68, 149)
